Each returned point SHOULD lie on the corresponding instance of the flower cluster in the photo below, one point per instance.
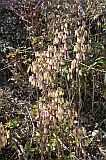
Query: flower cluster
(3, 136)
(51, 107)
(51, 112)
(48, 62)
(80, 48)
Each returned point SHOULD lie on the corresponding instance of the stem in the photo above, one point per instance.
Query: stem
(93, 92)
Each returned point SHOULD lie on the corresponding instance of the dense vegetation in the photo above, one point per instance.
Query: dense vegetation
(53, 80)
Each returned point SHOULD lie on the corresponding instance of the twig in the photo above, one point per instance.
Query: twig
(93, 92)
(92, 68)
(21, 151)
(33, 127)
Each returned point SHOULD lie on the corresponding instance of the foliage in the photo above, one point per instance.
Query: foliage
(63, 58)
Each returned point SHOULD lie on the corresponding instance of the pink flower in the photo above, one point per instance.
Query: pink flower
(32, 80)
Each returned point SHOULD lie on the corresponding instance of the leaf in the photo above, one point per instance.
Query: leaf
(102, 62)
(104, 26)
(53, 142)
(27, 148)
(28, 60)
(12, 124)
(35, 107)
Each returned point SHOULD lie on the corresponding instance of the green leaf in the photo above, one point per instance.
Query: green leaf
(104, 26)
(12, 124)
(27, 148)
(35, 107)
